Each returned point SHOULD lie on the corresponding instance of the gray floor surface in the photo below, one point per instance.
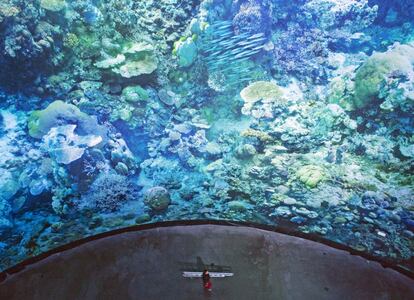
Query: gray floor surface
(147, 265)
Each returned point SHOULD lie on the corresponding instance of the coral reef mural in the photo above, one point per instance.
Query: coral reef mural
(120, 112)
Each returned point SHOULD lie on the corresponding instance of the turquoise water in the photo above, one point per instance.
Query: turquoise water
(116, 113)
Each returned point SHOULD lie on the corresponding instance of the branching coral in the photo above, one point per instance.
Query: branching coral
(108, 192)
(252, 16)
(351, 15)
(302, 51)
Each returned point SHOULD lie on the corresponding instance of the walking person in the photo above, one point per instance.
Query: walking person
(206, 281)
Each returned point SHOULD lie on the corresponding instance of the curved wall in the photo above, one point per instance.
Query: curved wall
(292, 115)
(148, 263)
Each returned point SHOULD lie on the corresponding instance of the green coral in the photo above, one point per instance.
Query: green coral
(208, 114)
(8, 10)
(124, 113)
(71, 40)
(132, 105)
(177, 44)
(311, 175)
(58, 113)
(186, 51)
(370, 75)
(178, 76)
(53, 5)
(340, 92)
(135, 94)
(260, 135)
(89, 44)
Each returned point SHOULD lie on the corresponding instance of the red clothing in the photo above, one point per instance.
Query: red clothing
(208, 285)
(206, 280)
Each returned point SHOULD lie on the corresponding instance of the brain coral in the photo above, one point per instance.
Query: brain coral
(369, 76)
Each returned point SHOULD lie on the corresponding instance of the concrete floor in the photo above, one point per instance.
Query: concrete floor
(146, 265)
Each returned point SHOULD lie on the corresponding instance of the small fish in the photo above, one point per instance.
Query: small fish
(225, 26)
(240, 68)
(215, 48)
(240, 37)
(237, 51)
(256, 36)
(258, 47)
(247, 54)
(221, 23)
(243, 59)
(227, 44)
(249, 43)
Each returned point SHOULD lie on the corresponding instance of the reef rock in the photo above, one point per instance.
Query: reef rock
(8, 185)
(158, 198)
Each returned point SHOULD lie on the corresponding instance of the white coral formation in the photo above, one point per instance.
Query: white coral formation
(267, 92)
(65, 146)
(134, 60)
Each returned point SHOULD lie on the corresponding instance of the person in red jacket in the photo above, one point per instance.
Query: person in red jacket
(206, 281)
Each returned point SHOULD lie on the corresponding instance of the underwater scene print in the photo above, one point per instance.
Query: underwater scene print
(119, 112)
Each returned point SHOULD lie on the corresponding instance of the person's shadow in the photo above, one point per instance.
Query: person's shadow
(200, 266)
